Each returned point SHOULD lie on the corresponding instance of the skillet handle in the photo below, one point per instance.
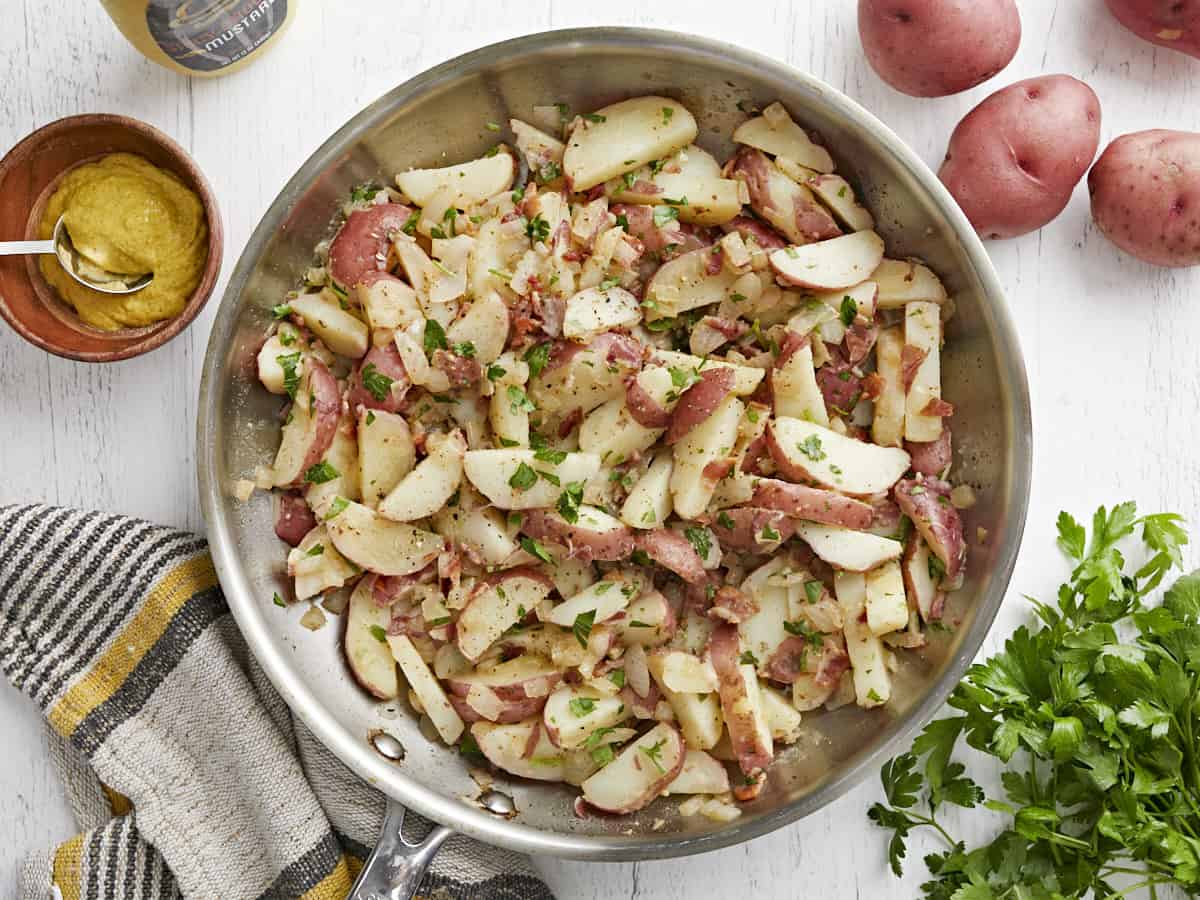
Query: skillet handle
(395, 868)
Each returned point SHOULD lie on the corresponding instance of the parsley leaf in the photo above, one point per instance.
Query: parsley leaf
(654, 754)
(536, 550)
(569, 501)
(582, 629)
(537, 357)
(665, 214)
(518, 401)
(581, 706)
(321, 473)
(523, 478)
(700, 539)
(435, 337)
(290, 363)
(811, 447)
(848, 311)
(377, 384)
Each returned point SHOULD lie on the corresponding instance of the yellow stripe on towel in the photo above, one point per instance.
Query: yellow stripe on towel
(146, 626)
(67, 871)
(334, 886)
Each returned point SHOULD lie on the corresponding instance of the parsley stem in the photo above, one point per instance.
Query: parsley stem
(931, 822)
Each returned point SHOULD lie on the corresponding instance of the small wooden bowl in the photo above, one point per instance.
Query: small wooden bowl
(29, 174)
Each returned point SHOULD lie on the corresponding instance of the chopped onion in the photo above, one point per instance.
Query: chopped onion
(243, 488)
(963, 496)
(636, 671)
(313, 618)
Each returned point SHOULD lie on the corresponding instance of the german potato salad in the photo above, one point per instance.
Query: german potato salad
(620, 458)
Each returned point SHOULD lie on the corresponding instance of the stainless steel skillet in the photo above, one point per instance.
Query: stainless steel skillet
(439, 117)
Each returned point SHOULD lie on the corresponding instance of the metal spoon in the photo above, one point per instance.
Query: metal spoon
(79, 268)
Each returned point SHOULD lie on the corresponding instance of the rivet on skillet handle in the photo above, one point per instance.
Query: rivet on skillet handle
(395, 867)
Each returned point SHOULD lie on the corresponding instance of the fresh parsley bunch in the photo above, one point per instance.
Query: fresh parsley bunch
(1095, 717)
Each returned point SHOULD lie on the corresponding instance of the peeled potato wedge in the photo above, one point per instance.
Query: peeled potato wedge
(852, 551)
(639, 773)
(774, 132)
(492, 471)
(342, 332)
(625, 136)
(425, 490)
(468, 183)
(692, 180)
(378, 544)
(805, 451)
(685, 283)
(839, 262)
(427, 688)
(366, 646)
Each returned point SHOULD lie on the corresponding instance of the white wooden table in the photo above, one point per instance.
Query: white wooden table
(1110, 343)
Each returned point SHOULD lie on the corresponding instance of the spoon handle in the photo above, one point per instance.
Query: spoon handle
(12, 248)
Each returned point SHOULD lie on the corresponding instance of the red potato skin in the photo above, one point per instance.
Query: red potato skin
(1146, 196)
(792, 210)
(387, 361)
(327, 410)
(760, 232)
(699, 401)
(611, 546)
(931, 457)
(644, 409)
(724, 651)
(362, 243)
(673, 551)
(926, 501)
(1169, 23)
(1014, 160)
(813, 504)
(748, 525)
(934, 48)
(293, 518)
(511, 712)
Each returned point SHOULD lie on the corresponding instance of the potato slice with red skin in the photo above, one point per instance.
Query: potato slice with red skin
(788, 206)
(740, 703)
(931, 457)
(752, 529)
(812, 504)
(492, 471)
(595, 536)
(804, 451)
(776, 133)
(927, 502)
(572, 714)
(673, 551)
(852, 551)
(495, 607)
(521, 748)
(923, 589)
(362, 243)
(639, 773)
(293, 518)
(605, 599)
(839, 262)
(380, 545)
(655, 620)
(701, 774)
(311, 427)
(380, 365)
(699, 402)
(530, 675)
(505, 713)
(365, 643)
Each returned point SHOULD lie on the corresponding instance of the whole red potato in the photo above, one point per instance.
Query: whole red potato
(1014, 159)
(1146, 196)
(1168, 23)
(932, 48)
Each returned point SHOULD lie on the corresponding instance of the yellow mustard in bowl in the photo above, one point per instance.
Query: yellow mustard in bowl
(126, 215)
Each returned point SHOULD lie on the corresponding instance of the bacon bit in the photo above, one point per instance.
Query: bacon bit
(731, 328)
(938, 407)
(698, 597)
(388, 589)
(595, 193)
(873, 386)
(834, 663)
(752, 229)
(793, 342)
(715, 261)
(407, 620)
(574, 417)
(618, 348)
(731, 605)
(642, 186)
(718, 469)
(788, 660)
(910, 361)
(860, 338)
(750, 789)
(461, 371)
(293, 519)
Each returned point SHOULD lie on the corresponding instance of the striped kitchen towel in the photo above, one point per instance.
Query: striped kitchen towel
(184, 767)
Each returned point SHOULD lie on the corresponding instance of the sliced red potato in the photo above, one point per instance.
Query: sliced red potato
(927, 502)
(592, 311)
(833, 191)
(425, 490)
(776, 133)
(469, 183)
(762, 633)
(872, 681)
(752, 529)
(429, 691)
(809, 694)
(492, 471)
(741, 702)
(746, 378)
(497, 605)
(701, 774)
(690, 181)
(686, 282)
(342, 459)
(293, 518)
(805, 451)
(923, 587)
(904, 281)
(623, 137)
(316, 565)
(605, 599)
(733, 490)
(361, 244)
(699, 402)
(686, 673)
(887, 605)
(366, 646)
(539, 149)
(579, 378)
(923, 331)
(483, 704)
(379, 381)
(573, 714)
(639, 773)
(378, 544)
(708, 442)
(648, 622)
(385, 453)
(342, 332)
(812, 504)
(523, 749)
(509, 419)
(311, 426)
(789, 207)
(854, 551)
(783, 719)
(794, 391)
(595, 535)
(887, 428)
(649, 502)
(621, 428)
(839, 262)
(484, 326)
(478, 527)
(270, 371)
(387, 301)
(698, 715)
(672, 550)
(932, 457)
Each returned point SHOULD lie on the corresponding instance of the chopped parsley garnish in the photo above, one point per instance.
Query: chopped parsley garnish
(582, 629)
(682, 201)
(290, 362)
(379, 633)
(595, 737)
(281, 311)
(848, 310)
(663, 215)
(594, 117)
(813, 590)
(550, 477)
(640, 557)
(806, 631)
(609, 283)
(536, 550)
(336, 508)
(435, 337)
(518, 401)
(725, 520)
(321, 473)
(277, 600)
(638, 623)
(315, 550)
(376, 383)
(508, 442)
(410, 225)
(439, 621)
(617, 677)
(564, 112)
(537, 229)
(550, 171)
(811, 447)
(603, 754)
(768, 534)
(569, 501)
(623, 221)
(491, 126)
(545, 454)
(700, 539)
(363, 193)
(654, 754)
(873, 696)
(581, 706)
(937, 568)
(737, 297)
(748, 659)
(495, 372)
(466, 350)
(370, 417)
(667, 112)
(537, 357)
(523, 479)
